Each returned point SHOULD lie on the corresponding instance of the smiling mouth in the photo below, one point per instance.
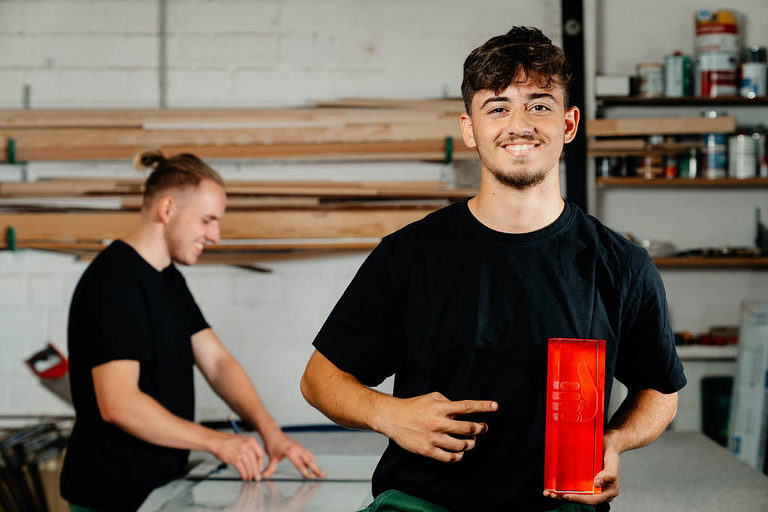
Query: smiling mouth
(520, 150)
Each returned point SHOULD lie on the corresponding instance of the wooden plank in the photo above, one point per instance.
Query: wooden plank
(115, 137)
(60, 187)
(662, 125)
(90, 226)
(454, 105)
(378, 151)
(168, 118)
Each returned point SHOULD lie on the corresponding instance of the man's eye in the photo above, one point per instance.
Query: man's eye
(497, 110)
(540, 108)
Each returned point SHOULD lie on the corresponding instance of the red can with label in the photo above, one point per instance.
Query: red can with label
(716, 74)
(573, 446)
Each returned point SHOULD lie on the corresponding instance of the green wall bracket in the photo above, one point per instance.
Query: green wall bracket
(11, 151)
(11, 238)
(448, 150)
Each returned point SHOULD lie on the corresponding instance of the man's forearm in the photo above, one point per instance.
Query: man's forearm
(642, 417)
(341, 397)
(234, 386)
(142, 416)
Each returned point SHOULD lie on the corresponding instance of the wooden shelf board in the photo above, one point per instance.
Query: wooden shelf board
(688, 100)
(682, 182)
(733, 263)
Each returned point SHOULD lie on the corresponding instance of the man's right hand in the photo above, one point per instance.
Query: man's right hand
(241, 451)
(425, 425)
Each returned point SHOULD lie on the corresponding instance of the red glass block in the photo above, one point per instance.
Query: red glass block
(573, 452)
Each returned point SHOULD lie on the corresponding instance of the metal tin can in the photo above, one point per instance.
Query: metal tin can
(677, 75)
(753, 78)
(742, 155)
(713, 155)
(716, 31)
(651, 79)
(716, 74)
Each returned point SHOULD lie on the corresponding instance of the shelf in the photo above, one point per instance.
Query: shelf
(676, 102)
(727, 263)
(682, 182)
(707, 352)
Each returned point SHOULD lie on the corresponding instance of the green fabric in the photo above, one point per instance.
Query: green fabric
(574, 507)
(78, 508)
(397, 501)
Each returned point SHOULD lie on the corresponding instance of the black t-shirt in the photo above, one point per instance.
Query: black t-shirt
(447, 304)
(123, 308)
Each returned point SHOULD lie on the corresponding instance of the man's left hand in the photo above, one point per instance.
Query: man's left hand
(279, 446)
(607, 479)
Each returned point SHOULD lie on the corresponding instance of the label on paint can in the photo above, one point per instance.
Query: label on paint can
(716, 31)
(713, 156)
(716, 74)
(677, 75)
(753, 79)
(651, 79)
(742, 156)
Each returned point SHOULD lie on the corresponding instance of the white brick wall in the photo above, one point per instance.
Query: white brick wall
(95, 53)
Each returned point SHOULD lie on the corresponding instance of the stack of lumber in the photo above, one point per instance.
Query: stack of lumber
(347, 129)
(265, 221)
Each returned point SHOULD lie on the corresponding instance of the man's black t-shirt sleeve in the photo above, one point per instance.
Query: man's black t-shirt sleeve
(647, 356)
(116, 322)
(363, 334)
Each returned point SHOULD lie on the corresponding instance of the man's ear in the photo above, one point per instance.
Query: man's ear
(165, 208)
(466, 131)
(571, 123)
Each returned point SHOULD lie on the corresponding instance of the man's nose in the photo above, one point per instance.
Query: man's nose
(213, 234)
(519, 123)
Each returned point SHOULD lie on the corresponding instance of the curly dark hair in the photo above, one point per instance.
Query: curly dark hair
(526, 50)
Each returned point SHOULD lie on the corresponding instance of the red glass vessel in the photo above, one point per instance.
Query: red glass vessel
(573, 452)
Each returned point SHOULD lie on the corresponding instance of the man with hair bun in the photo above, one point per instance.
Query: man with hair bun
(460, 305)
(134, 334)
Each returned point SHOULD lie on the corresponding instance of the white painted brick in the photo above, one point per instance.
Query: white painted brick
(260, 289)
(223, 50)
(89, 50)
(13, 291)
(212, 289)
(25, 326)
(84, 88)
(206, 17)
(80, 169)
(30, 260)
(45, 291)
(13, 356)
(60, 16)
(57, 327)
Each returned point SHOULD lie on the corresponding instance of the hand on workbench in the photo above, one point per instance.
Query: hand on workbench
(280, 446)
(425, 425)
(608, 479)
(243, 452)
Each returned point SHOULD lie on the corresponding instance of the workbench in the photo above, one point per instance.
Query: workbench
(681, 472)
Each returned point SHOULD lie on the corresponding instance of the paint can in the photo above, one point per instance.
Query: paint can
(753, 72)
(716, 31)
(742, 155)
(651, 79)
(716, 74)
(677, 75)
(714, 158)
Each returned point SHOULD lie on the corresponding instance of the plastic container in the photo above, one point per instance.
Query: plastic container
(573, 452)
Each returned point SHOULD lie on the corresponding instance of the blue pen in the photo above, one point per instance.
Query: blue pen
(234, 424)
